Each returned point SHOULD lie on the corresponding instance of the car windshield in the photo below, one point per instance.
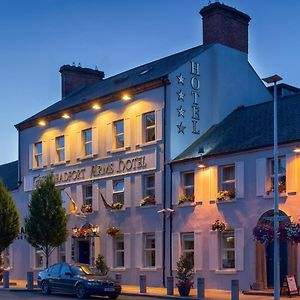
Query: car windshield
(81, 270)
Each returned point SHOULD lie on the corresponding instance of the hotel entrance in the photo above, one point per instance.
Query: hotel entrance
(84, 252)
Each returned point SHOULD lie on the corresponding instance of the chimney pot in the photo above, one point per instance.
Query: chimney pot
(225, 25)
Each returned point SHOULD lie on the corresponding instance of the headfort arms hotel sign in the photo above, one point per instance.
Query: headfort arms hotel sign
(109, 168)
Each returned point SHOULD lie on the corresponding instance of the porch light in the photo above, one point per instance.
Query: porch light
(42, 123)
(202, 165)
(297, 149)
(126, 97)
(96, 106)
(95, 229)
(66, 116)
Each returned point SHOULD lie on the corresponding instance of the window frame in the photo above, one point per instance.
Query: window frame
(225, 249)
(222, 181)
(150, 250)
(147, 128)
(185, 251)
(38, 156)
(86, 143)
(117, 193)
(270, 173)
(186, 187)
(146, 188)
(117, 135)
(59, 150)
(119, 251)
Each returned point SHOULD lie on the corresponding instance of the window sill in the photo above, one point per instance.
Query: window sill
(86, 157)
(147, 144)
(271, 195)
(37, 168)
(149, 269)
(186, 204)
(147, 206)
(59, 163)
(118, 269)
(226, 272)
(226, 201)
(118, 150)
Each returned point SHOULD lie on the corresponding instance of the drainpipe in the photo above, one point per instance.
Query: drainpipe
(19, 161)
(171, 220)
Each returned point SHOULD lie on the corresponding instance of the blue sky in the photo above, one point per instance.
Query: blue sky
(39, 36)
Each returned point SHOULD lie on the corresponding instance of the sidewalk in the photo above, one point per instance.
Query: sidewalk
(160, 293)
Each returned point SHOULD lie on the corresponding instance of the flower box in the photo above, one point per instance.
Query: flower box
(148, 200)
(225, 196)
(86, 208)
(185, 198)
(113, 231)
(117, 205)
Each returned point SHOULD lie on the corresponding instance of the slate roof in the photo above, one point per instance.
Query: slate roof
(9, 175)
(249, 128)
(136, 76)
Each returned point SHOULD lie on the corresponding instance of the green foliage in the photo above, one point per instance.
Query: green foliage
(101, 266)
(46, 225)
(185, 271)
(9, 218)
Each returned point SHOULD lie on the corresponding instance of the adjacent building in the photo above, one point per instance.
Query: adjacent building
(127, 148)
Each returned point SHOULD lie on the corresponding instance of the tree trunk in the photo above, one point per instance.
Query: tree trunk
(47, 256)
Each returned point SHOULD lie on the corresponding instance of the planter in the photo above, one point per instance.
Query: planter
(184, 290)
(185, 198)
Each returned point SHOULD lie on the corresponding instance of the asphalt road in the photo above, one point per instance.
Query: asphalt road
(7, 295)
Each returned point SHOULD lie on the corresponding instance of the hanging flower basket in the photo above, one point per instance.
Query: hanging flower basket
(87, 208)
(113, 231)
(219, 226)
(185, 198)
(148, 200)
(289, 232)
(225, 195)
(263, 233)
(117, 205)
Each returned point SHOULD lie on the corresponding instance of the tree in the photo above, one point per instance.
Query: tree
(46, 225)
(9, 219)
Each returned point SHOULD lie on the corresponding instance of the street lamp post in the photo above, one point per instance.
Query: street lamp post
(274, 79)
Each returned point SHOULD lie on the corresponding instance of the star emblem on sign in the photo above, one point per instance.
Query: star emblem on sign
(180, 79)
(180, 95)
(180, 111)
(181, 128)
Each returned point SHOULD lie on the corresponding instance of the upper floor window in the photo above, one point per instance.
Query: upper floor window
(119, 251)
(187, 243)
(118, 191)
(87, 142)
(60, 148)
(149, 250)
(38, 154)
(188, 183)
(149, 185)
(281, 174)
(119, 134)
(149, 126)
(227, 249)
(87, 206)
(227, 178)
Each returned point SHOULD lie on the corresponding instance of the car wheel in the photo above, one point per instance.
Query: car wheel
(45, 287)
(81, 291)
(113, 297)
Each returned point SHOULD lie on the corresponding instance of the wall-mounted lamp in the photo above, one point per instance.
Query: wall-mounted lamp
(66, 116)
(126, 97)
(96, 106)
(297, 149)
(42, 123)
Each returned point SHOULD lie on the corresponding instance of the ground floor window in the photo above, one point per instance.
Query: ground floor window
(187, 243)
(62, 253)
(119, 251)
(149, 250)
(39, 258)
(227, 249)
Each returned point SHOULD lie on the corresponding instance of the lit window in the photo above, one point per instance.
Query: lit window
(118, 191)
(119, 134)
(87, 141)
(60, 148)
(187, 242)
(149, 185)
(149, 250)
(119, 251)
(87, 191)
(188, 183)
(38, 154)
(227, 180)
(149, 126)
(281, 175)
(227, 250)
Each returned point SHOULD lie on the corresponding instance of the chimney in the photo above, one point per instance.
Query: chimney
(225, 25)
(73, 77)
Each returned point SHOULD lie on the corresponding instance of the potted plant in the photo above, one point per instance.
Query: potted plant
(225, 195)
(148, 200)
(112, 231)
(185, 273)
(101, 266)
(185, 198)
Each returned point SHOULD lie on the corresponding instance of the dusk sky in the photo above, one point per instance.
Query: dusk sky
(39, 36)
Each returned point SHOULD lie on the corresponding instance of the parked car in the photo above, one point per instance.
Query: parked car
(77, 279)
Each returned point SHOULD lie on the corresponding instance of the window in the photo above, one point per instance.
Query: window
(60, 148)
(187, 242)
(87, 142)
(119, 251)
(149, 250)
(62, 253)
(38, 154)
(227, 180)
(39, 258)
(149, 185)
(227, 250)
(118, 191)
(149, 126)
(188, 183)
(87, 205)
(281, 174)
(119, 134)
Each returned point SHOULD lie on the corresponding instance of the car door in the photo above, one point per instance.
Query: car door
(53, 277)
(66, 279)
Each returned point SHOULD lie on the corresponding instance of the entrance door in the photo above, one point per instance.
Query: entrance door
(84, 252)
(270, 262)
